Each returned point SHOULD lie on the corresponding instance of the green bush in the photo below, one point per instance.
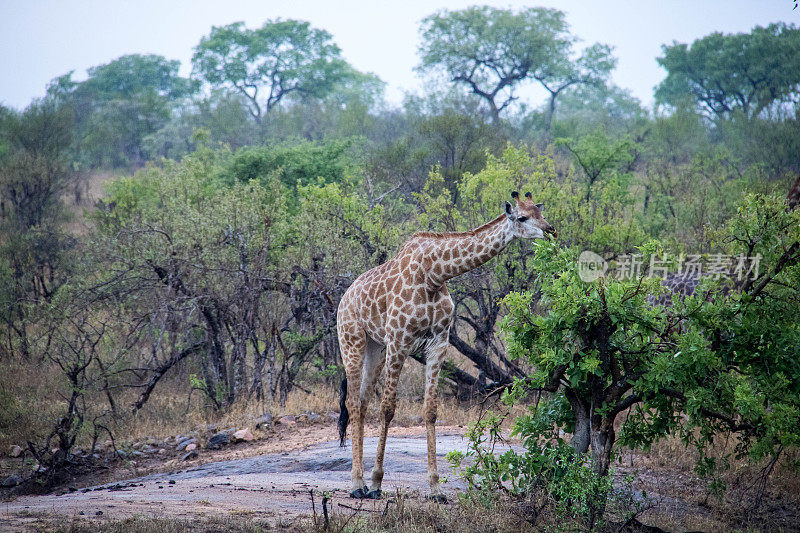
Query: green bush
(548, 465)
(293, 163)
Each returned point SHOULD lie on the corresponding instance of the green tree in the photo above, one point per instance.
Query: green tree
(348, 110)
(582, 109)
(120, 104)
(441, 129)
(746, 72)
(137, 76)
(597, 154)
(265, 65)
(34, 173)
(602, 223)
(292, 163)
(34, 170)
(591, 68)
(458, 142)
(491, 51)
(714, 363)
(172, 232)
(222, 114)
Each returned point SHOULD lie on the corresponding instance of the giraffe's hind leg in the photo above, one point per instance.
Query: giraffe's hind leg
(394, 364)
(373, 365)
(353, 344)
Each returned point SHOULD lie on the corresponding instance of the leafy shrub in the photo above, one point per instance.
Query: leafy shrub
(294, 163)
(548, 465)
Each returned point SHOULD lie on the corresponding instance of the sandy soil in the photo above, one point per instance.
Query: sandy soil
(272, 477)
(269, 478)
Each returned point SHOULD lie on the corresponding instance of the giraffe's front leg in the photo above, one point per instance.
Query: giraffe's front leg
(435, 357)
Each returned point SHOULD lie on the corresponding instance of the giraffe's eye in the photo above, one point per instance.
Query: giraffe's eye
(522, 219)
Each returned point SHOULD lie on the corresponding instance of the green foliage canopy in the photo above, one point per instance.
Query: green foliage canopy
(491, 50)
(293, 163)
(281, 58)
(121, 103)
(136, 76)
(720, 73)
(724, 360)
(34, 174)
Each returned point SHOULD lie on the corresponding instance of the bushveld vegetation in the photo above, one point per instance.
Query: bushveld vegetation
(247, 198)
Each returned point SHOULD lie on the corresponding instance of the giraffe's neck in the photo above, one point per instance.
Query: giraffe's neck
(457, 253)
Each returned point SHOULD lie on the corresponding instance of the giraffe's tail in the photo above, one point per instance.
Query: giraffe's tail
(344, 416)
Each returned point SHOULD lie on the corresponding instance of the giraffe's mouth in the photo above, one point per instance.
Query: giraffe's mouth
(550, 231)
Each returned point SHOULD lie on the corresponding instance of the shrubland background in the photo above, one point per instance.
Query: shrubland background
(173, 250)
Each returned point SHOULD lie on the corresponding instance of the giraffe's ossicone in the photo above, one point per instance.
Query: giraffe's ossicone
(403, 307)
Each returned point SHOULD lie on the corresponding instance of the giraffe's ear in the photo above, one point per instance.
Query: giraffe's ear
(540, 207)
(508, 211)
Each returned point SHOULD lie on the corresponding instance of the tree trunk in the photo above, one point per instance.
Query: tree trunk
(494, 111)
(257, 387)
(22, 332)
(603, 437)
(239, 364)
(209, 374)
(272, 381)
(548, 117)
(581, 436)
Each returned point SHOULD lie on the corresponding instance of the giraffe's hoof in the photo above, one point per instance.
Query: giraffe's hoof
(438, 498)
(360, 493)
(373, 494)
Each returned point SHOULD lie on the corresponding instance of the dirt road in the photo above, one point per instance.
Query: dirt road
(267, 485)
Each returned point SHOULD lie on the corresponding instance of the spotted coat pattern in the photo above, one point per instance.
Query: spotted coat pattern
(678, 285)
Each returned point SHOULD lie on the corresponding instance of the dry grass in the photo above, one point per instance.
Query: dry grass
(686, 502)
(31, 400)
(403, 514)
(169, 412)
(27, 401)
(143, 524)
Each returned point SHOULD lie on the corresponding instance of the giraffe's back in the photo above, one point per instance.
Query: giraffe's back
(395, 302)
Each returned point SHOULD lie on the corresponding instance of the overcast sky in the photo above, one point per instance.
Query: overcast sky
(42, 39)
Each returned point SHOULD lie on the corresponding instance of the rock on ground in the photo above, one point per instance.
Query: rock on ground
(189, 456)
(184, 443)
(264, 420)
(12, 481)
(218, 440)
(243, 435)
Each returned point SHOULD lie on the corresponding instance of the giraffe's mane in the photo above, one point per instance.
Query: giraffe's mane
(470, 233)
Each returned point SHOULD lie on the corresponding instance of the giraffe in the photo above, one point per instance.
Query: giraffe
(682, 286)
(403, 307)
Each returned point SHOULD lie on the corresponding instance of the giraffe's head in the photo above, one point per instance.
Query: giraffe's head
(526, 218)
